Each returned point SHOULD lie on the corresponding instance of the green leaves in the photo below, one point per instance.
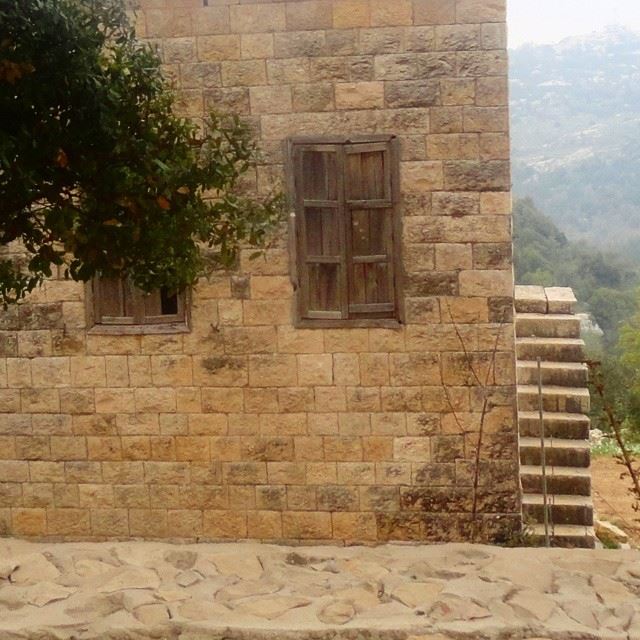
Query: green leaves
(93, 159)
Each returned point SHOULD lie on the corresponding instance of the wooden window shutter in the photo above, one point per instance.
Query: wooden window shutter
(118, 302)
(320, 232)
(370, 225)
(346, 229)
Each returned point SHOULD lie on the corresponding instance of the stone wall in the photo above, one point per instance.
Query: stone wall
(247, 427)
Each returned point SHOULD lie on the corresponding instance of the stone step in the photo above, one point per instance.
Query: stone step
(563, 509)
(550, 349)
(570, 426)
(530, 299)
(536, 299)
(562, 374)
(560, 300)
(560, 399)
(571, 481)
(560, 453)
(569, 536)
(538, 325)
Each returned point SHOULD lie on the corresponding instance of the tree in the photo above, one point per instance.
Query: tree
(97, 173)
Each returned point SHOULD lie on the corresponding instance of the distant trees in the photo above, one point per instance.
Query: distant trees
(604, 283)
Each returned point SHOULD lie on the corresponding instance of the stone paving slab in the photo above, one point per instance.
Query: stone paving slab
(143, 590)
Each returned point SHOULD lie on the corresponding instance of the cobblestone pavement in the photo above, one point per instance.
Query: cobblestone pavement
(258, 592)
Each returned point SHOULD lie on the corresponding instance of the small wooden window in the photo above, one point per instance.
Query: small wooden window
(347, 229)
(117, 303)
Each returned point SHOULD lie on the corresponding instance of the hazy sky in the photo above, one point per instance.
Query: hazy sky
(551, 20)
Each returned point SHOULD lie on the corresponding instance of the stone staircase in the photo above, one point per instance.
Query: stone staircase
(547, 328)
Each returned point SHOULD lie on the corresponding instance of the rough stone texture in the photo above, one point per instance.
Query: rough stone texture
(130, 591)
(246, 427)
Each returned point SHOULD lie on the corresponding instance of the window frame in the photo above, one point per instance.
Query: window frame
(139, 322)
(297, 227)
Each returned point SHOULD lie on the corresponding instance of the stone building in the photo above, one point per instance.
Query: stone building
(357, 384)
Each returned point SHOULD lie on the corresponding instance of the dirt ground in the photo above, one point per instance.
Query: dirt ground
(612, 501)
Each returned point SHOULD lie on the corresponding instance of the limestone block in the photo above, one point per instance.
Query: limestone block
(256, 45)
(486, 119)
(68, 522)
(306, 526)
(218, 48)
(477, 176)
(309, 14)
(418, 177)
(477, 64)
(377, 448)
(243, 72)
(68, 448)
(385, 13)
(171, 370)
(298, 44)
(487, 283)
(460, 37)
(342, 449)
(411, 93)
(211, 20)
(494, 36)
(434, 12)
(315, 369)
(374, 368)
(354, 424)
(189, 448)
(414, 369)
(452, 257)
(457, 92)
(116, 370)
(455, 204)
(225, 371)
(313, 97)
(420, 39)
(412, 449)
(88, 371)
(472, 11)
(447, 120)
(151, 523)
(273, 312)
(346, 341)
(136, 448)
(32, 401)
(33, 344)
(258, 18)
(177, 50)
(29, 522)
(415, 66)
(359, 95)
(363, 399)
(348, 14)
(453, 147)
(264, 524)
(221, 399)
(272, 370)
(378, 41)
(495, 146)
(330, 399)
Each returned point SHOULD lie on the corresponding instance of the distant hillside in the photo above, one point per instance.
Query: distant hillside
(576, 134)
(604, 283)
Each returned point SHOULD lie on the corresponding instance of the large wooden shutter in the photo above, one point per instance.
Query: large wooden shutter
(370, 230)
(320, 231)
(346, 229)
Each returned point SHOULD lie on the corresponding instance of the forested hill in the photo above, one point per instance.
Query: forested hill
(604, 283)
(576, 134)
